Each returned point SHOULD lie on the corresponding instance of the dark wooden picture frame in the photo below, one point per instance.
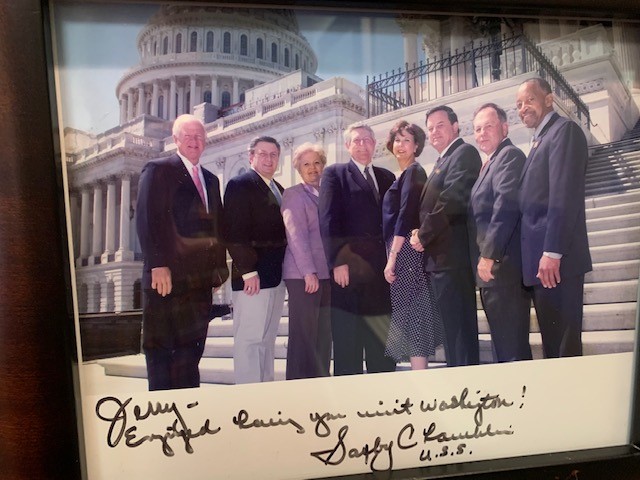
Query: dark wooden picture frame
(39, 423)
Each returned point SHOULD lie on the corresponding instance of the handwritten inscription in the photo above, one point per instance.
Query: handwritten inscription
(114, 411)
(423, 429)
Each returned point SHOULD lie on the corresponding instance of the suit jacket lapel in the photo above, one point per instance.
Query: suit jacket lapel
(536, 144)
(357, 177)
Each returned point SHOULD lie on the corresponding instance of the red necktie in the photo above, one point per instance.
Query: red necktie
(196, 180)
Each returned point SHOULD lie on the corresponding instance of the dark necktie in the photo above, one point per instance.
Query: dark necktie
(372, 185)
(437, 164)
(275, 191)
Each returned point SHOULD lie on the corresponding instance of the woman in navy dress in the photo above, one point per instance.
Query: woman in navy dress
(416, 328)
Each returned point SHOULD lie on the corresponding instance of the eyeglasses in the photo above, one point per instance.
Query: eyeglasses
(362, 141)
(264, 155)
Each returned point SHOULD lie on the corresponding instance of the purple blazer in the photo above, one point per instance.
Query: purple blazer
(305, 253)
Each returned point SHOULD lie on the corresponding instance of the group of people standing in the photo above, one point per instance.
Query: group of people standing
(378, 270)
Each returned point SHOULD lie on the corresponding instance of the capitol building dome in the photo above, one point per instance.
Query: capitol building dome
(203, 54)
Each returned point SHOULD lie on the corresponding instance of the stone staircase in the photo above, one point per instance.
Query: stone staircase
(610, 294)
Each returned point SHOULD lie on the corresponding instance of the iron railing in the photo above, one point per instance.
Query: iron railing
(475, 66)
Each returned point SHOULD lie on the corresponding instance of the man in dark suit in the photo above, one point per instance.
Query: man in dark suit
(256, 240)
(444, 238)
(555, 248)
(179, 216)
(494, 233)
(350, 215)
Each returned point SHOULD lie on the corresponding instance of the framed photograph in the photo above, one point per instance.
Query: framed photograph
(117, 76)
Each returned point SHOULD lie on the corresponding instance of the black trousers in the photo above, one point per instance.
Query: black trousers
(309, 342)
(174, 332)
(360, 316)
(508, 309)
(559, 311)
(455, 294)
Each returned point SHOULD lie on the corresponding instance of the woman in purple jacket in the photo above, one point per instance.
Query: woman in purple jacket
(305, 270)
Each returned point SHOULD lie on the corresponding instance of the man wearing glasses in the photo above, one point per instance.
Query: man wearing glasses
(256, 240)
(350, 215)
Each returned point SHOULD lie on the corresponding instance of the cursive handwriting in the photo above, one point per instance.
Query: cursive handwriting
(370, 453)
(486, 402)
(405, 407)
(479, 432)
(242, 421)
(322, 427)
(119, 429)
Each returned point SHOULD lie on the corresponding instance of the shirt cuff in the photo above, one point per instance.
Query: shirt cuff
(249, 275)
(557, 256)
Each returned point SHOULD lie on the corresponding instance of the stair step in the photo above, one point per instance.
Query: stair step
(593, 343)
(606, 316)
(223, 347)
(612, 237)
(614, 222)
(609, 211)
(626, 183)
(611, 200)
(614, 253)
(613, 271)
(608, 160)
(611, 292)
(620, 169)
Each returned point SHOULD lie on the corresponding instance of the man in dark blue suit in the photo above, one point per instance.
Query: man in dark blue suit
(179, 216)
(256, 240)
(444, 238)
(350, 215)
(555, 248)
(494, 233)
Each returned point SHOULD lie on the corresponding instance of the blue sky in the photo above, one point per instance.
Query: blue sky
(96, 44)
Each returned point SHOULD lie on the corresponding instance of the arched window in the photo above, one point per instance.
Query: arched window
(259, 48)
(286, 57)
(178, 47)
(175, 112)
(297, 62)
(165, 45)
(226, 43)
(243, 45)
(148, 107)
(225, 100)
(209, 47)
(155, 48)
(274, 53)
(242, 97)
(193, 44)
(187, 103)
(160, 106)
(207, 96)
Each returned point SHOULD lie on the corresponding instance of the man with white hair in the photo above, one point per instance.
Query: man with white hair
(179, 215)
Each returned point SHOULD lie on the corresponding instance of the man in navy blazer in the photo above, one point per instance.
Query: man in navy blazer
(555, 248)
(179, 215)
(350, 215)
(444, 238)
(256, 240)
(494, 233)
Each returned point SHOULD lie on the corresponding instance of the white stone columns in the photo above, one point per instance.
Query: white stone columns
(193, 98)
(181, 100)
(154, 98)
(110, 230)
(84, 225)
(123, 108)
(129, 105)
(215, 91)
(141, 101)
(235, 98)
(172, 99)
(124, 253)
(96, 243)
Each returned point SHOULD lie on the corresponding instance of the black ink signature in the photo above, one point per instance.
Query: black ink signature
(118, 424)
(371, 454)
(405, 407)
(242, 420)
(322, 427)
(486, 402)
(478, 432)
